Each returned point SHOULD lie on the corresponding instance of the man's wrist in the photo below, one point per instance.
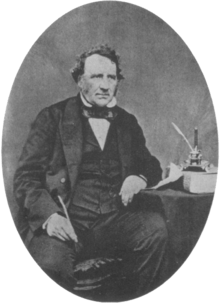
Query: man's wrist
(59, 213)
(143, 178)
(44, 226)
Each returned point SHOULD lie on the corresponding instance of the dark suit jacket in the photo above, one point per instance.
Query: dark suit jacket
(51, 157)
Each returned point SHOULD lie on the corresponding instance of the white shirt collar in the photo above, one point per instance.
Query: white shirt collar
(112, 103)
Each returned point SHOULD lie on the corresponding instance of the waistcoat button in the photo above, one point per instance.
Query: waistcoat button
(62, 180)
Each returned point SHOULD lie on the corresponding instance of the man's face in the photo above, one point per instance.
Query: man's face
(99, 82)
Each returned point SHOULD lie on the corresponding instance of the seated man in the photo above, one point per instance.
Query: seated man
(91, 154)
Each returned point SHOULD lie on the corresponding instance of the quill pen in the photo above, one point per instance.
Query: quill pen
(66, 214)
(179, 131)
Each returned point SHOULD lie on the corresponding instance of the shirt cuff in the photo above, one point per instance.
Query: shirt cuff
(143, 178)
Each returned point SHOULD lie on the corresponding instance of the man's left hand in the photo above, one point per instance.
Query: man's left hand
(131, 186)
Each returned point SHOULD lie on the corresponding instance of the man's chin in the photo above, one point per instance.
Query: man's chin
(102, 102)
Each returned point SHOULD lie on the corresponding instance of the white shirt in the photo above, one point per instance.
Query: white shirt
(99, 127)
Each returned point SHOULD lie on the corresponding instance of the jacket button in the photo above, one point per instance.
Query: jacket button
(62, 180)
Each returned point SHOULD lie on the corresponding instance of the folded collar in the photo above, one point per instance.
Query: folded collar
(111, 104)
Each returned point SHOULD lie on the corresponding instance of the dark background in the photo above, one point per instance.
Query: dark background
(163, 82)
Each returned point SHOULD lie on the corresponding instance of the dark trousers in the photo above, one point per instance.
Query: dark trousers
(137, 236)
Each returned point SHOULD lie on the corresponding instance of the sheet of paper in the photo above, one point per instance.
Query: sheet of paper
(174, 174)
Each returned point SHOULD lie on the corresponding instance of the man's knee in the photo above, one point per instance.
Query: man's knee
(153, 221)
(53, 255)
(160, 227)
(140, 229)
(161, 234)
(153, 232)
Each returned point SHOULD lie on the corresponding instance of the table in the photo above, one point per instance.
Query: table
(185, 215)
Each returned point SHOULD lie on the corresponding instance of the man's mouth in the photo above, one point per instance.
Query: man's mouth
(102, 95)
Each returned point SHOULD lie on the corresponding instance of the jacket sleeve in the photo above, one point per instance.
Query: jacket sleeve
(144, 163)
(29, 181)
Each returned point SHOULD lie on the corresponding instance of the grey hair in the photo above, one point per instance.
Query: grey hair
(102, 50)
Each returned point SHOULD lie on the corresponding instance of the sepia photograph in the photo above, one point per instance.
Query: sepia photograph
(110, 155)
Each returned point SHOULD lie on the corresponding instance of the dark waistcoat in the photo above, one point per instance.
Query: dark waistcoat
(99, 179)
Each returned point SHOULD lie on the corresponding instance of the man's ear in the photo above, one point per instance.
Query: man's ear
(116, 89)
(80, 82)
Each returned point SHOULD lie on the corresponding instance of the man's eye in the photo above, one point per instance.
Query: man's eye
(96, 76)
(112, 77)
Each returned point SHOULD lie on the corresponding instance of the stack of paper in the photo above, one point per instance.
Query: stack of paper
(199, 182)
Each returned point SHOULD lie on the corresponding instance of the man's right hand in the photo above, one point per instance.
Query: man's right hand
(60, 227)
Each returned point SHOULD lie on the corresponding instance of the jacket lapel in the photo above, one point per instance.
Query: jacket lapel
(71, 136)
(124, 145)
(72, 139)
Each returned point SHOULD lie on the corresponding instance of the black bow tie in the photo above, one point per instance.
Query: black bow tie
(99, 112)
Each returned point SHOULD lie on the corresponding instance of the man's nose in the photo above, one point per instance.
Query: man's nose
(104, 84)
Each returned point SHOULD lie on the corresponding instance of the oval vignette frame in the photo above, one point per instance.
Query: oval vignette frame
(126, 77)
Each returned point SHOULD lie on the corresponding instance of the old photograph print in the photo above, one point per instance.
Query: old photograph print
(109, 102)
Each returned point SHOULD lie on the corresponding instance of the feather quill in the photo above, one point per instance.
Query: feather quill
(66, 214)
(179, 131)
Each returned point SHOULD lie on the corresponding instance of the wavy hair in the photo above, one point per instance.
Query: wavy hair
(102, 50)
